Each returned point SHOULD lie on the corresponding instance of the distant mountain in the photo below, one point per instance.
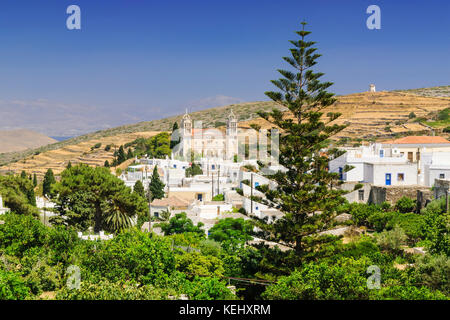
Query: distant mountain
(22, 139)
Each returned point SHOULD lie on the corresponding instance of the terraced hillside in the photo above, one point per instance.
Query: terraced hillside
(244, 111)
(370, 117)
(442, 91)
(380, 115)
(82, 152)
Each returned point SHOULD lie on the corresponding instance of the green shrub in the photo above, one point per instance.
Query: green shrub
(219, 197)
(12, 286)
(391, 240)
(405, 204)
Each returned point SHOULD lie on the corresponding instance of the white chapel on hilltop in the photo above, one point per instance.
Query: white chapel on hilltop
(209, 142)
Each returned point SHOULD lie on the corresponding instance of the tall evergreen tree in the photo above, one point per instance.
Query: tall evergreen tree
(69, 165)
(139, 188)
(121, 155)
(23, 174)
(130, 154)
(175, 137)
(156, 186)
(49, 180)
(303, 192)
(106, 165)
(35, 183)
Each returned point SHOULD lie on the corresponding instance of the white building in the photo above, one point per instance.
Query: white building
(209, 143)
(210, 209)
(3, 210)
(406, 161)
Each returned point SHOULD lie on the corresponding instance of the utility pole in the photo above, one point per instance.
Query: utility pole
(447, 205)
(218, 181)
(44, 212)
(212, 185)
(251, 193)
(149, 210)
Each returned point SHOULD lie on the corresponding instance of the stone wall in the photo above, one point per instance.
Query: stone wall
(440, 187)
(392, 194)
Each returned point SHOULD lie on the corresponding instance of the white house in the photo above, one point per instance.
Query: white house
(390, 173)
(435, 165)
(211, 209)
(3, 210)
(406, 161)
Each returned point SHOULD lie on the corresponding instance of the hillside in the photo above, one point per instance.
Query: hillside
(381, 115)
(244, 111)
(82, 152)
(370, 117)
(442, 91)
(21, 139)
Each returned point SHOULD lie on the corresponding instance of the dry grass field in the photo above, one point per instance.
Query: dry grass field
(379, 115)
(58, 159)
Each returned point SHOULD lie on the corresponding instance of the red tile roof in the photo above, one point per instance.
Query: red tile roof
(418, 140)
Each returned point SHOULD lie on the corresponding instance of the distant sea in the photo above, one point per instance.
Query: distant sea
(61, 138)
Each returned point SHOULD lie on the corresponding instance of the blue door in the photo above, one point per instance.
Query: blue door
(388, 179)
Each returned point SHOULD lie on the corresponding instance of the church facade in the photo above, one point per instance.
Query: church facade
(210, 142)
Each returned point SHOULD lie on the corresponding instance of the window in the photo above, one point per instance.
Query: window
(156, 214)
(401, 177)
(442, 176)
(410, 156)
(381, 153)
(361, 195)
(256, 184)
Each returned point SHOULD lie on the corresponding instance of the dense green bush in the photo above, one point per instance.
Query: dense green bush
(231, 230)
(405, 205)
(180, 224)
(320, 281)
(12, 286)
(20, 233)
(107, 290)
(131, 255)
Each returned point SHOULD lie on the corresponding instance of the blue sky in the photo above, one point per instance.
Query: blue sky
(155, 58)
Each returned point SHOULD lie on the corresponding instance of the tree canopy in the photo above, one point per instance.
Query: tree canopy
(88, 196)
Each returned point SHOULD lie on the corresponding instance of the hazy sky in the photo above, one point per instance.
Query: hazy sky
(143, 59)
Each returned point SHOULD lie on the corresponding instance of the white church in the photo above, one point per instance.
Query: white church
(209, 142)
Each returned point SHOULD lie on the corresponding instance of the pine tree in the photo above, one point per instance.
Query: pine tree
(139, 188)
(69, 165)
(35, 183)
(175, 138)
(106, 164)
(121, 155)
(156, 186)
(49, 180)
(23, 175)
(303, 192)
(130, 154)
